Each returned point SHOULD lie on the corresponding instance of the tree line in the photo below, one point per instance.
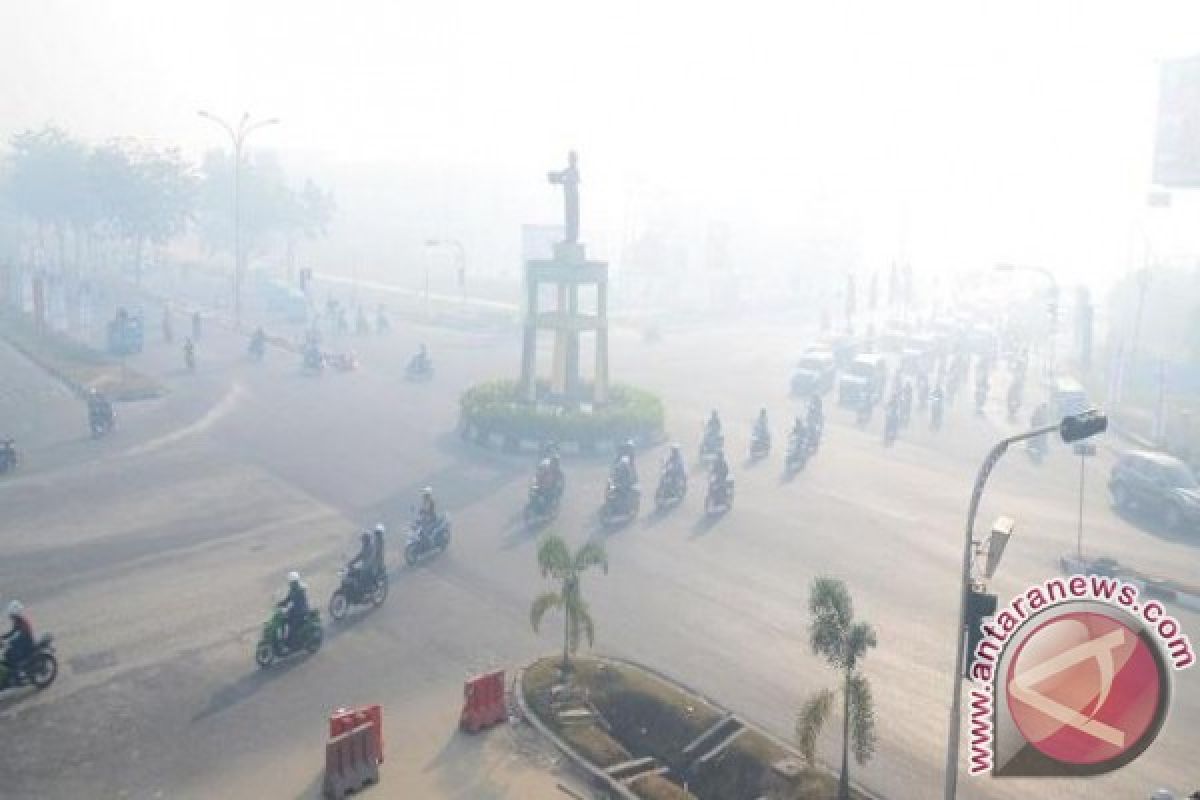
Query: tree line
(75, 207)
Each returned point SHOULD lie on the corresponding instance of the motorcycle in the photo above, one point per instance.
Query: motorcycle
(710, 445)
(891, 428)
(760, 445)
(542, 505)
(273, 645)
(313, 361)
(672, 487)
(620, 506)
(719, 498)
(102, 423)
(798, 452)
(257, 348)
(935, 413)
(39, 669)
(8, 455)
(419, 369)
(343, 362)
(421, 547)
(189, 358)
(357, 588)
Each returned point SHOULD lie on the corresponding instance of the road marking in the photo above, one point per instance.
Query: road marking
(222, 409)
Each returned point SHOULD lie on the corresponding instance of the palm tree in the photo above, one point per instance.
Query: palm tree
(843, 642)
(556, 561)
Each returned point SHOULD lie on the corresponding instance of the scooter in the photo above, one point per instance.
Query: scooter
(8, 455)
(274, 645)
(421, 547)
(39, 669)
(719, 498)
(760, 445)
(542, 505)
(357, 588)
(672, 488)
(620, 507)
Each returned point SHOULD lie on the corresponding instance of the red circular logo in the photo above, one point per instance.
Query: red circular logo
(1084, 688)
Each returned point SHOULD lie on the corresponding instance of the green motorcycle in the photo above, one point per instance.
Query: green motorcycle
(274, 642)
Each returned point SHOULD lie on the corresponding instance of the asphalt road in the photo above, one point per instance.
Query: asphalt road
(153, 556)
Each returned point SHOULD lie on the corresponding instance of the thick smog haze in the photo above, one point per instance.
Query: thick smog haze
(946, 132)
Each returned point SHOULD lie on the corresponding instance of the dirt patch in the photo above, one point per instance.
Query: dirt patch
(636, 714)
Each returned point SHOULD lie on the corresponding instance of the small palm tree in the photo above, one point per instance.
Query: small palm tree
(556, 561)
(843, 642)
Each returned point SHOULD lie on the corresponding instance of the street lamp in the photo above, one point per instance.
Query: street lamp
(237, 137)
(1052, 310)
(1072, 429)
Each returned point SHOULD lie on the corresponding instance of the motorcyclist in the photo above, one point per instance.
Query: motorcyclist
(427, 515)
(816, 413)
(761, 429)
(549, 477)
(673, 465)
(360, 565)
(623, 476)
(378, 566)
(420, 361)
(258, 342)
(99, 408)
(19, 639)
(719, 474)
(628, 452)
(189, 353)
(712, 428)
(798, 436)
(937, 405)
(295, 606)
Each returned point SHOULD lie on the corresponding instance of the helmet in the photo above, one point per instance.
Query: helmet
(427, 491)
(15, 608)
(674, 447)
(293, 577)
(379, 528)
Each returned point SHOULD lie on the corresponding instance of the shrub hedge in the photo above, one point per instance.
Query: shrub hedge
(496, 407)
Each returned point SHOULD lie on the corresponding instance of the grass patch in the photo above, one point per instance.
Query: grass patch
(643, 715)
(75, 362)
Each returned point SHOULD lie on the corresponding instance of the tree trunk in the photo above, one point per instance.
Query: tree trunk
(566, 634)
(844, 780)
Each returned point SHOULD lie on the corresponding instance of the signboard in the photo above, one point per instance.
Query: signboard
(1177, 140)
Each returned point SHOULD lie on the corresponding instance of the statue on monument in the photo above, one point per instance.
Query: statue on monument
(569, 180)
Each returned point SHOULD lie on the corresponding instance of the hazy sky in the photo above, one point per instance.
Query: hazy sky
(964, 131)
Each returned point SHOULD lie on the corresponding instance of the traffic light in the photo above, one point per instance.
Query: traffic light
(980, 606)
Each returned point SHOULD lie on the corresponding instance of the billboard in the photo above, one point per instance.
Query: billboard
(1177, 140)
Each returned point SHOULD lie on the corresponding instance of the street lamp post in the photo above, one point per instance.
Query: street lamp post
(237, 137)
(1051, 312)
(1071, 429)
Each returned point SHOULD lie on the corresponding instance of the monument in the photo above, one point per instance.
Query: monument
(568, 272)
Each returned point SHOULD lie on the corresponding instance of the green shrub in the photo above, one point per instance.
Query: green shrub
(496, 407)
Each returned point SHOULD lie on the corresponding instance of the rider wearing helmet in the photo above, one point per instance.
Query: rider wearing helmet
(720, 470)
(99, 408)
(626, 453)
(761, 429)
(799, 432)
(550, 475)
(816, 414)
(19, 638)
(295, 605)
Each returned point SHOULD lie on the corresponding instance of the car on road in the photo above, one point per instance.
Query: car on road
(1156, 483)
(814, 373)
(866, 374)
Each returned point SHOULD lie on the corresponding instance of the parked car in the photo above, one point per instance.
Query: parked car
(866, 374)
(1156, 483)
(814, 373)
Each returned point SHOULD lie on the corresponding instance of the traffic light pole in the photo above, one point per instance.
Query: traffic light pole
(985, 470)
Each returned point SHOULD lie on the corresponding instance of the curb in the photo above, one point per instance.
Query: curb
(598, 776)
(500, 443)
(622, 791)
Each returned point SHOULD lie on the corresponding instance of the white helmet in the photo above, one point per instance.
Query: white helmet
(379, 528)
(15, 608)
(293, 577)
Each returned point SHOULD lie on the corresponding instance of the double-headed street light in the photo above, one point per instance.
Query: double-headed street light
(237, 137)
(1052, 308)
(1074, 428)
